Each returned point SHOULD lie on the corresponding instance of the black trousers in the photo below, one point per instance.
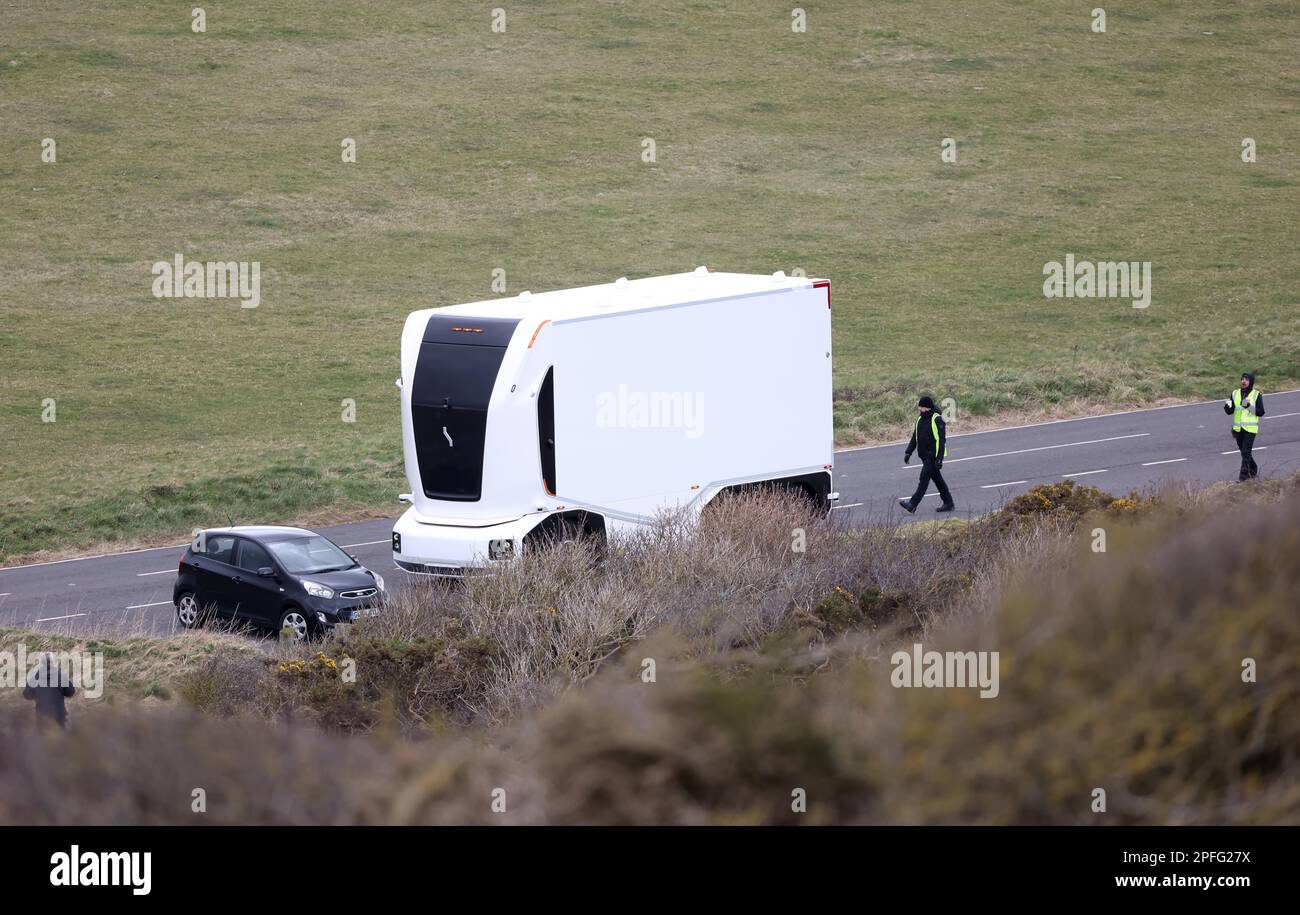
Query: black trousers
(930, 472)
(1246, 441)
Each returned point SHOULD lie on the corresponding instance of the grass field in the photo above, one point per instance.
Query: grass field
(523, 151)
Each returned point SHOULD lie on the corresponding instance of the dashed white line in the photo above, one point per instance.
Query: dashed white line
(142, 606)
(348, 546)
(50, 619)
(1083, 473)
(1092, 441)
(1170, 461)
(850, 505)
(163, 572)
(55, 562)
(1235, 451)
(1076, 419)
(996, 485)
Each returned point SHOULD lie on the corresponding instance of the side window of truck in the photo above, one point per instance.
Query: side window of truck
(546, 430)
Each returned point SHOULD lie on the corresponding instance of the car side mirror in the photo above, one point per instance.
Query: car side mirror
(266, 572)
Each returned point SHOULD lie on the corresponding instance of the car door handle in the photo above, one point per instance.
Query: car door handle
(237, 580)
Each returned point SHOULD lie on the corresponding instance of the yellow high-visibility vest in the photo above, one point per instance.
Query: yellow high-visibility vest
(1243, 417)
(934, 430)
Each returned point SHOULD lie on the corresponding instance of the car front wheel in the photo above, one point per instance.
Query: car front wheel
(294, 621)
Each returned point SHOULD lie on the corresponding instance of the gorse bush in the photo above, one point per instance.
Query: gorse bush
(1069, 502)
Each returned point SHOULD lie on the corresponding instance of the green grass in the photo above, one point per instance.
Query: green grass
(479, 150)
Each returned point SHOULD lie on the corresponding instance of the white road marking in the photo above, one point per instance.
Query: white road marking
(142, 606)
(1053, 422)
(50, 619)
(996, 485)
(6, 594)
(1075, 419)
(850, 505)
(1235, 451)
(1082, 473)
(55, 562)
(348, 546)
(1092, 441)
(1170, 461)
(163, 572)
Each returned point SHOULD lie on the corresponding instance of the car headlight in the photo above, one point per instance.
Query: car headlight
(317, 590)
(379, 580)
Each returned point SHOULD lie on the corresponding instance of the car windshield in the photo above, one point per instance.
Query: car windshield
(310, 553)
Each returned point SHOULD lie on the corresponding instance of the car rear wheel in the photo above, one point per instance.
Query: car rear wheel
(187, 611)
(295, 621)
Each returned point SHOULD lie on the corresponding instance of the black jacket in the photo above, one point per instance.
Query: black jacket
(49, 697)
(926, 444)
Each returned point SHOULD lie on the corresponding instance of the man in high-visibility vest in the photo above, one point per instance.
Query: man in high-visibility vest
(930, 439)
(1245, 406)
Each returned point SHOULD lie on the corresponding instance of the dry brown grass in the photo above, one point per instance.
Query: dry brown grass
(1119, 670)
(483, 650)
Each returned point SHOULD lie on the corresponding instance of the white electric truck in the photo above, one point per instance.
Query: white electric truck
(584, 412)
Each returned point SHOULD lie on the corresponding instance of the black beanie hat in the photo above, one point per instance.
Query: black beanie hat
(926, 401)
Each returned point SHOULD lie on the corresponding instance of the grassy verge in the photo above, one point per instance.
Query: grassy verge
(137, 669)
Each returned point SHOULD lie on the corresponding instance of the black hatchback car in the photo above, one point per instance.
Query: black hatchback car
(282, 577)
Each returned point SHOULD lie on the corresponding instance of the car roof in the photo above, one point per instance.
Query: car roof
(262, 531)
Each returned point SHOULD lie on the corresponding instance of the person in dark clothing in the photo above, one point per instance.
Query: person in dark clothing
(1245, 406)
(48, 686)
(930, 440)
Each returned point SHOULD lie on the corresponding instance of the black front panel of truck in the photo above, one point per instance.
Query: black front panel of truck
(454, 376)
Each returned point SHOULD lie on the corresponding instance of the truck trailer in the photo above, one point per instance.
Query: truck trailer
(589, 412)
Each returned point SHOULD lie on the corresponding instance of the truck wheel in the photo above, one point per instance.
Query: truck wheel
(558, 532)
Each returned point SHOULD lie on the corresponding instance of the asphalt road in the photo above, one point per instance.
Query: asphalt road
(1117, 452)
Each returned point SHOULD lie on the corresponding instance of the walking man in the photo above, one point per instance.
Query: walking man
(48, 686)
(930, 439)
(1246, 406)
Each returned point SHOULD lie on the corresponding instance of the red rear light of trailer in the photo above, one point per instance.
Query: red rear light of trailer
(824, 284)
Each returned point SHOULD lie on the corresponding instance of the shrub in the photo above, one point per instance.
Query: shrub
(1120, 670)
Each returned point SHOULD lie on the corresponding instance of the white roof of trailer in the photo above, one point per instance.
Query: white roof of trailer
(625, 295)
